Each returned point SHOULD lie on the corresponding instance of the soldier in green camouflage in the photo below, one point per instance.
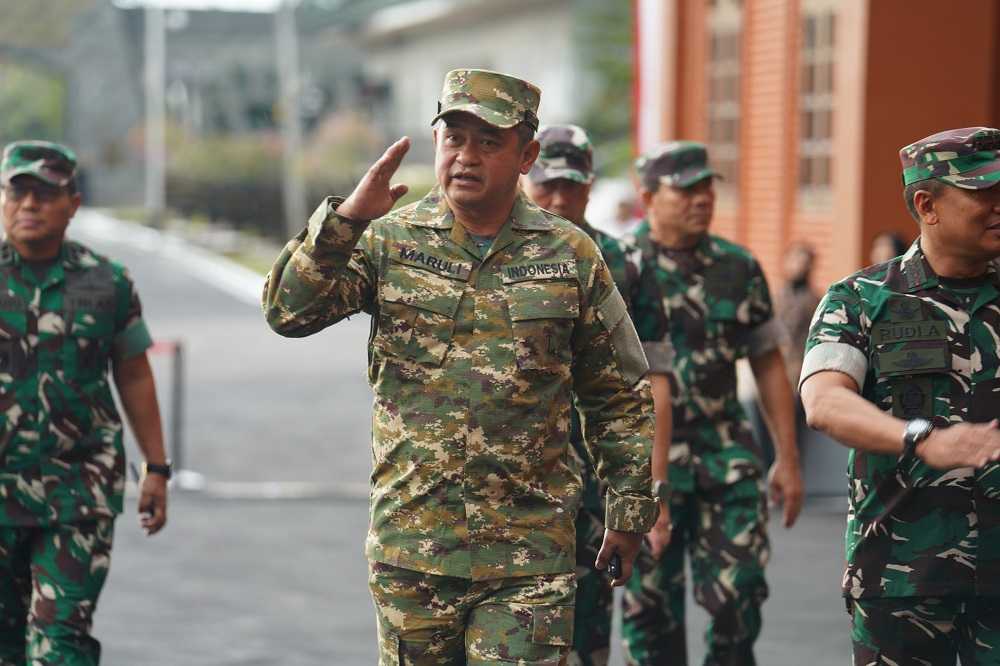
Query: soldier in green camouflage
(902, 366)
(703, 304)
(66, 314)
(560, 182)
(488, 315)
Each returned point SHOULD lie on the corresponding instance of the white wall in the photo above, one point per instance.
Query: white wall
(534, 45)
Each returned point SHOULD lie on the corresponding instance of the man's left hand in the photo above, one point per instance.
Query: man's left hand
(153, 503)
(627, 545)
(785, 488)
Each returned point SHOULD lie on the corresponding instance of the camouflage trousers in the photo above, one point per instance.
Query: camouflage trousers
(724, 532)
(594, 599)
(50, 578)
(428, 620)
(925, 631)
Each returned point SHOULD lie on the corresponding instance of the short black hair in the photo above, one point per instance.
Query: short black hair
(932, 185)
(525, 133)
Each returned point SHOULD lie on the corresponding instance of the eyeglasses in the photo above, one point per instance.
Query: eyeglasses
(42, 192)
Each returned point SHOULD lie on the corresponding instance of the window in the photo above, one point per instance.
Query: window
(724, 44)
(816, 97)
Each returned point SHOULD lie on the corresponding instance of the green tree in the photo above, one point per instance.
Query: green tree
(604, 40)
(31, 104)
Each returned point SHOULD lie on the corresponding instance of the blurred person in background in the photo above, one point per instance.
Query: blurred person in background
(489, 316)
(885, 246)
(703, 304)
(560, 182)
(66, 315)
(902, 366)
(796, 305)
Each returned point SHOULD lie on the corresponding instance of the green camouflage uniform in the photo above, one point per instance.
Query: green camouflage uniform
(922, 545)
(472, 359)
(61, 456)
(698, 312)
(566, 153)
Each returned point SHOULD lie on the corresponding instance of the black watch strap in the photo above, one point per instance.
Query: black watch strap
(917, 430)
(166, 470)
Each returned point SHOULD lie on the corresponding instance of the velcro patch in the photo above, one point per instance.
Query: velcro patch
(539, 270)
(905, 331)
(441, 265)
(914, 360)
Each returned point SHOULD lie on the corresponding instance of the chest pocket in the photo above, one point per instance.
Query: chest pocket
(542, 315)
(89, 312)
(417, 309)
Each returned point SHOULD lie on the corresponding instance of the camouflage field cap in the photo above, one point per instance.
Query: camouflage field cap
(501, 100)
(565, 153)
(53, 163)
(968, 158)
(675, 163)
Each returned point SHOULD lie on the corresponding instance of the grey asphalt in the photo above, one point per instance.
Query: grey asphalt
(261, 582)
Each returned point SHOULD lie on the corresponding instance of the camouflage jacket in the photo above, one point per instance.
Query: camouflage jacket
(472, 361)
(916, 348)
(623, 262)
(61, 454)
(695, 321)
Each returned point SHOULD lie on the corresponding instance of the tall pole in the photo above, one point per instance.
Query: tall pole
(293, 187)
(156, 141)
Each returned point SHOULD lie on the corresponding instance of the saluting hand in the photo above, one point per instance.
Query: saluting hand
(375, 196)
(961, 445)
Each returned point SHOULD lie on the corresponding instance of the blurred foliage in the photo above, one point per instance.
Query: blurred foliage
(237, 178)
(604, 38)
(31, 104)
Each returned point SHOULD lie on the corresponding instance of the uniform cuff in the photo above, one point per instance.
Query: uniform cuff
(838, 356)
(630, 513)
(660, 356)
(766, 337)
(329, 231)
(133, 340)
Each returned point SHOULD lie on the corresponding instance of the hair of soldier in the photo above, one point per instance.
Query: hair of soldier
(932, 185)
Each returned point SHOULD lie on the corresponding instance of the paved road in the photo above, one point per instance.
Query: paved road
(253, 582)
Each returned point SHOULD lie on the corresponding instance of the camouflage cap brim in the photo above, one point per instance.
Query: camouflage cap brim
(982, 178)
(484, 113)
(42, 173)
(542, 174)
(688, 178)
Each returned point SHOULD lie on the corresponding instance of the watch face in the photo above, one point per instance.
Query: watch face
(917, 429)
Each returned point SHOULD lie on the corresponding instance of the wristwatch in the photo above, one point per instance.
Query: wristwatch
(661, 490)
(917, 430)
(166, 470)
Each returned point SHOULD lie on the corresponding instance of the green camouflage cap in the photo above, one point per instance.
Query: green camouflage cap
(50, 162)
(501, 100)
(675, 163)
(968, 158)
(565, 153)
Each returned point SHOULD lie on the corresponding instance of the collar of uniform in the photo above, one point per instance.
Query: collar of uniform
(529, 217)
(69, 255)
(915, 270)
(432, 211)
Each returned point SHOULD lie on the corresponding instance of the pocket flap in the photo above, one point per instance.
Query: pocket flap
(552, 625)
(543, 300)
(419, 288)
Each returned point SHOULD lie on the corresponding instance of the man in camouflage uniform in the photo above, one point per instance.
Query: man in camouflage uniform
(65, 315)
(486, 313)
(560, 182)
(702, 305)
(902, 366)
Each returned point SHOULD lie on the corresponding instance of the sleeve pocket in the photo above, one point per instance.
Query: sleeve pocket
(630, 358)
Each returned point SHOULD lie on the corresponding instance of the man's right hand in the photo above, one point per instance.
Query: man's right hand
(658, 538)
(961, 445)
(375, 196)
